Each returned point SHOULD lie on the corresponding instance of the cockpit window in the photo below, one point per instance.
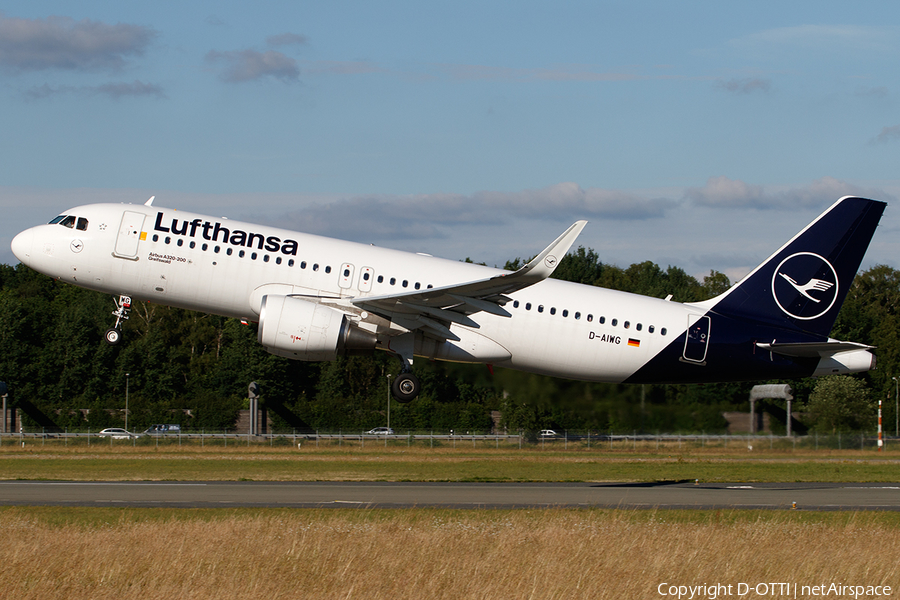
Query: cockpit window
(71, 222)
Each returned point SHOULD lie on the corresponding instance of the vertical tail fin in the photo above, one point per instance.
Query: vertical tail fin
(802, 286)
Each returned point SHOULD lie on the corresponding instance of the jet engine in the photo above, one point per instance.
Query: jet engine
(304, 330)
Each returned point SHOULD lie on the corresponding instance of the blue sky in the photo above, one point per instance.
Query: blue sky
(701, 135)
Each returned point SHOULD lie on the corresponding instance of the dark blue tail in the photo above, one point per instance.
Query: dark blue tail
(802, 286)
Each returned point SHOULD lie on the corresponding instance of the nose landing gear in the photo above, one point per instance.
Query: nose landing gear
(113, 336)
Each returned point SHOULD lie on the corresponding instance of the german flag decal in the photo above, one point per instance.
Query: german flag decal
(634, 342)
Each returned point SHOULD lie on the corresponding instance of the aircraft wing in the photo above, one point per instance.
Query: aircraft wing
(434, 309)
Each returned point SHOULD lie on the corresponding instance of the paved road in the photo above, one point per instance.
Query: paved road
(807, 496)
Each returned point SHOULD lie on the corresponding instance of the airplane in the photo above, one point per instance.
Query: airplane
(317, 298)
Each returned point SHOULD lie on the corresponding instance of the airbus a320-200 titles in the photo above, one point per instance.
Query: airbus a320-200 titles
(318, 298)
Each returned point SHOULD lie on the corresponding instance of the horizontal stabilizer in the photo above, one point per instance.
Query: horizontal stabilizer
(814, 349)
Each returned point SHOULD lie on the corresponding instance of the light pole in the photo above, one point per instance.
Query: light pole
(126, 401)
(389, 402)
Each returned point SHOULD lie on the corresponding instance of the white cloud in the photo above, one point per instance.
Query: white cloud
(429, 215)
(286, 39)
(250, 65)
(63, 43)
(879, 92)
(888, 134)
(338, 67)
(115, 90)
(819, 37)
(745, 86)
(560, 73)
(722, 192)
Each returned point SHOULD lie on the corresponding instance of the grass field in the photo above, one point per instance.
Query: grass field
(106, 553)
(422, 553)
(121, 461)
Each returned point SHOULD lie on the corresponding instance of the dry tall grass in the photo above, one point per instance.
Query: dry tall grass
(433, 554)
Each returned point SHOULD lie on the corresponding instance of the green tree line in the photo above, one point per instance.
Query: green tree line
(191, 368)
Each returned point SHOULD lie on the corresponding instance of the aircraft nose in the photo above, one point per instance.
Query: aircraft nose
(21, 245)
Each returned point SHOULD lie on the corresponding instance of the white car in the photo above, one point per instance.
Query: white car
(548, 433)
(380, 431)
(117, 433)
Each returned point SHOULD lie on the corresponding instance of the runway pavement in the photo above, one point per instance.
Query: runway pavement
(682, 495)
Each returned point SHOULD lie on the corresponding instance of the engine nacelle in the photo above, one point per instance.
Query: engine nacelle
(304, 330)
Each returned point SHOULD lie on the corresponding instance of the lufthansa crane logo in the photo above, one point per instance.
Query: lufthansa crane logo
(805, 286)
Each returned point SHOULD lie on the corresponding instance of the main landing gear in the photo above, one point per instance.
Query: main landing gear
(113, 336)
(406, 386)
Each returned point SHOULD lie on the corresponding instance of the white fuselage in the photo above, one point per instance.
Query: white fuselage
(221, 266)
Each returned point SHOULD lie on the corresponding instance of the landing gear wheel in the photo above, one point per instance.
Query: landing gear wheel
(113, 336)
(405, 387)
